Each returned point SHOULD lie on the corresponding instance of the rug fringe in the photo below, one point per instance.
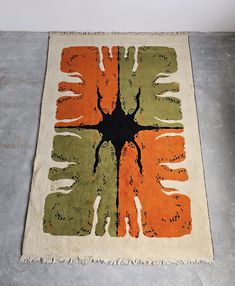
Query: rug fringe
(119, 261)
(117, 33)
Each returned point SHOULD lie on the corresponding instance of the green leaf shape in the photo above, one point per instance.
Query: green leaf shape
(152, 63)
(72, 213)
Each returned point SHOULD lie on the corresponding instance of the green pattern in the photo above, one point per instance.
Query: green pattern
(73, 213)
(152, 62)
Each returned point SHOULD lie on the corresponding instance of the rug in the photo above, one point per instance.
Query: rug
(118, 174)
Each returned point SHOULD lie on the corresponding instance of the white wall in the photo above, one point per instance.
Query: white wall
(117, 15)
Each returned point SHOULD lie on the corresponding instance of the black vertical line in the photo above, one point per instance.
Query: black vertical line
(138, 156)
(118, 102)
(137, 104)
(97, 155)
(99, 102)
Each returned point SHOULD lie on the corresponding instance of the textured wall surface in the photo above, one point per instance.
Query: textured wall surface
(22, 67)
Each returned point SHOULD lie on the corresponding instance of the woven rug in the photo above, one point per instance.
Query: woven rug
(118, 173)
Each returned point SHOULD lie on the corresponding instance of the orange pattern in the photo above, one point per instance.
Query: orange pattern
(84, 105)
(162, 214)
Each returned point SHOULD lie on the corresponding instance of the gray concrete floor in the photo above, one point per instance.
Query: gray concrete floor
(22, 67)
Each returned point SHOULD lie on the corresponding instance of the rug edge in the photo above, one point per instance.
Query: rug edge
(81, 33)
(118, 261)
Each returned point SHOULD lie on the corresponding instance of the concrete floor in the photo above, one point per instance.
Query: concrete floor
(22, 67)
